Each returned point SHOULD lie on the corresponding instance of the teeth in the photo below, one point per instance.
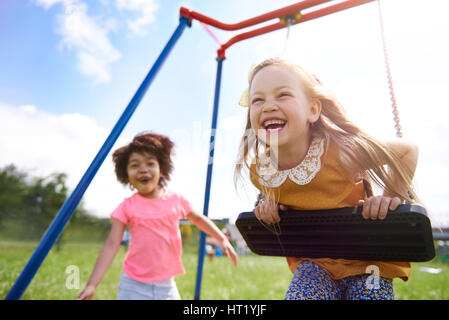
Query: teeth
(270, 122)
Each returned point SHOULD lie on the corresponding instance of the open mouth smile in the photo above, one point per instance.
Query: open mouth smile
(144, 180)
(274, 124)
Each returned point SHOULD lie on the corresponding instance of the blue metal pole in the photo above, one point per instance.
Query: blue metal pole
(202, 244)
(69, 206)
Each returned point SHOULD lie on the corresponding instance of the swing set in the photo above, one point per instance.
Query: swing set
(286, 16)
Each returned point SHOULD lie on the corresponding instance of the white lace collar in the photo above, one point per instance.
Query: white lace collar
(302, 173)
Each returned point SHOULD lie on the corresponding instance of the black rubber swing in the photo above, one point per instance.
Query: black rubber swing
(404, 235)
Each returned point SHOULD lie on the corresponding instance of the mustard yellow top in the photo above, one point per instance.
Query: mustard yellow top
(319, 182)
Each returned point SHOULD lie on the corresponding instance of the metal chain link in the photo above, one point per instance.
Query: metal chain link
(390, 78)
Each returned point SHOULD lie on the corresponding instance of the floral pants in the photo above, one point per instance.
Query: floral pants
(311, 282)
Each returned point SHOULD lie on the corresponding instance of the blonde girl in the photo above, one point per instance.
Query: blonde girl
(302, 152)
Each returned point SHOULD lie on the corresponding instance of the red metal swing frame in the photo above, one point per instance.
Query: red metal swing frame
(293, 11)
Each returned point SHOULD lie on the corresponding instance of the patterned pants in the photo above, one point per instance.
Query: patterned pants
(311, 282)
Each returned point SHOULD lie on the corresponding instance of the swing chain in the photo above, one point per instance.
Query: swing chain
(289, 21)
(390, 77)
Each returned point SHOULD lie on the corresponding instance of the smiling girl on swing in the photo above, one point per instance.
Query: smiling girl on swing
(318, 159)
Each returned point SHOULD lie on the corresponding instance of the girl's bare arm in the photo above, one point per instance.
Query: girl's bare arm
(408, 153)
(377, 206)
(206, 225)
(104, 260)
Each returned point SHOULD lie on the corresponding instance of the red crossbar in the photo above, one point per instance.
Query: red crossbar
(291, 10)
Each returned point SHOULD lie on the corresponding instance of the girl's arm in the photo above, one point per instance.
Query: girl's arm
(408, 153)
(104, 260)
(206, 225)
(377, 206)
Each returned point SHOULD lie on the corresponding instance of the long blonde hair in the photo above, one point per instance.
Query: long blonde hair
(359, 151)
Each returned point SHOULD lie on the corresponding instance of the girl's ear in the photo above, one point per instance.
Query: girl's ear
(315, 111)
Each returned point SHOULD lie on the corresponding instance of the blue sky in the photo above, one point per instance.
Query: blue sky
(68, 68)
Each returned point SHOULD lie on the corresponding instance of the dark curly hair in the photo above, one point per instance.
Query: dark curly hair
(157, 145)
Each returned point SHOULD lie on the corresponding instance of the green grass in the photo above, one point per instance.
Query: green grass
(255, 278)
(423, 285)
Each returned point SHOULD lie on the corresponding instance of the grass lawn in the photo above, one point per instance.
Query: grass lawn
(255, 278)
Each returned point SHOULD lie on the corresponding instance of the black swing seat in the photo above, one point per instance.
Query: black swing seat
(404, 235)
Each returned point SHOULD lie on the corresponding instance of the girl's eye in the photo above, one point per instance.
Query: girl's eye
(256, 100)
(284, 94)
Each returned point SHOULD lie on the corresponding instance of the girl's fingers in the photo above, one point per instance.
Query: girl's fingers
(85, 295)
(384, 204)
(366, 208)
(261, 213)
(268, 218)
(395, 202)
(274, 213)
(377, 207)
(275, 216)
(257, 212)
(229, 252)
(374, 208)
(268, 212)
(233, 256)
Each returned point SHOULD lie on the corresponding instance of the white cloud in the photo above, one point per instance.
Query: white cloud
(146, 9)
(87, 36)
(42, 143)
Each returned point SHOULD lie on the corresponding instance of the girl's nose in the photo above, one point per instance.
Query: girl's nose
(143, 169)
(270, 106)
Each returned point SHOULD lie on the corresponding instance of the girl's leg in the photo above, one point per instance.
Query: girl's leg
(311, 282)
(362, 287)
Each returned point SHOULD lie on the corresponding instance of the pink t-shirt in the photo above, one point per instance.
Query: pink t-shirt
(155, 248)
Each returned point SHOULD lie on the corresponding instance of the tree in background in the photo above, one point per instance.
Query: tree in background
(13, 187)
(43, 199)
(29, 204)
